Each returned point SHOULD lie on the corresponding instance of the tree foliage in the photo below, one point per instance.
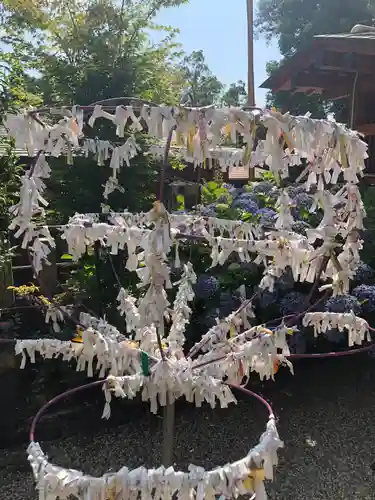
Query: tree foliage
(294, 22)
(84, 51)
(202, 88)
(235, 95)
(93, 50)
(80, 52)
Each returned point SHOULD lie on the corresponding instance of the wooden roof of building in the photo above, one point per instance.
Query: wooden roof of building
(329, 65)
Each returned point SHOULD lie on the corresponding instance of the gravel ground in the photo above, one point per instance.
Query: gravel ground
(326, 419)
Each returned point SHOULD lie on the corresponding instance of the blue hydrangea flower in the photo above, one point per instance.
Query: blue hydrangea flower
(364, 273)
(263, 187)
(267, 298)
(232, 190)
(343, 304)
(300, 227)
(209, 210)
(286, 281)
(246, 195)
(267, 217)
(303, 201)
(294, 191)
(228, 303)
(209, 319)
(366, 296)
(292, 303)
(224, 198)
(273, 195)
(206, 287)
(245, 204)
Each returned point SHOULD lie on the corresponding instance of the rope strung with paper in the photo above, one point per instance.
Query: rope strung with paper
(150, 358)
(358, 328)
(330, 148)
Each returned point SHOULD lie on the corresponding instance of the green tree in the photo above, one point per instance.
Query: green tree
(14, 84)
(202, 88)
(87, 51)
(93, 50)
(235, 95)
(294, 22)
(80, 52)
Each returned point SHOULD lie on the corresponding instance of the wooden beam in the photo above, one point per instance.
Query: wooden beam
(365, 46)
(322, 80)
(346, 62)
(333, 81)
(287, 85)
(366, 129)
(335, 93)
(307, 90)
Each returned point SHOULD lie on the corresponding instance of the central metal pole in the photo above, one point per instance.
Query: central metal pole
(168, 433)
(250, 54)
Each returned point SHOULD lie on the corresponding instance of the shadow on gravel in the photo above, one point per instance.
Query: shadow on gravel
(326, 419)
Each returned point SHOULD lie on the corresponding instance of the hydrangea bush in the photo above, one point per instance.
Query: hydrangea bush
(256, 202)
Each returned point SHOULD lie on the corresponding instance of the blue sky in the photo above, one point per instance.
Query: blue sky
(218, 27)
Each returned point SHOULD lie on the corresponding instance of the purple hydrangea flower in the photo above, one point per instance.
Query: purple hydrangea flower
(303, 201)
(206, 287)
(366, 296)
(228, 303)
(292, 303)
(267, 217)
(300, 227)
(247, 196)
(263, 187)
(232, 190)
(246, 204)
(294, 191)
(364, 273)
(266, 298)
(343, 304)
(224, 198)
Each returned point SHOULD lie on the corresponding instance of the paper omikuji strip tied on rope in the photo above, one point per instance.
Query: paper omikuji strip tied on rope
(149, 358)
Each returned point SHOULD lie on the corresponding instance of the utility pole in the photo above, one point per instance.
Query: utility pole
(250, 53)
(250, 65)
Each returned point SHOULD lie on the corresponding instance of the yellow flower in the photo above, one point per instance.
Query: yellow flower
(44, 300)
(24, 290)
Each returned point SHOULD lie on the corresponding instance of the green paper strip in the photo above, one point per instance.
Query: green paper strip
(145, 360)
